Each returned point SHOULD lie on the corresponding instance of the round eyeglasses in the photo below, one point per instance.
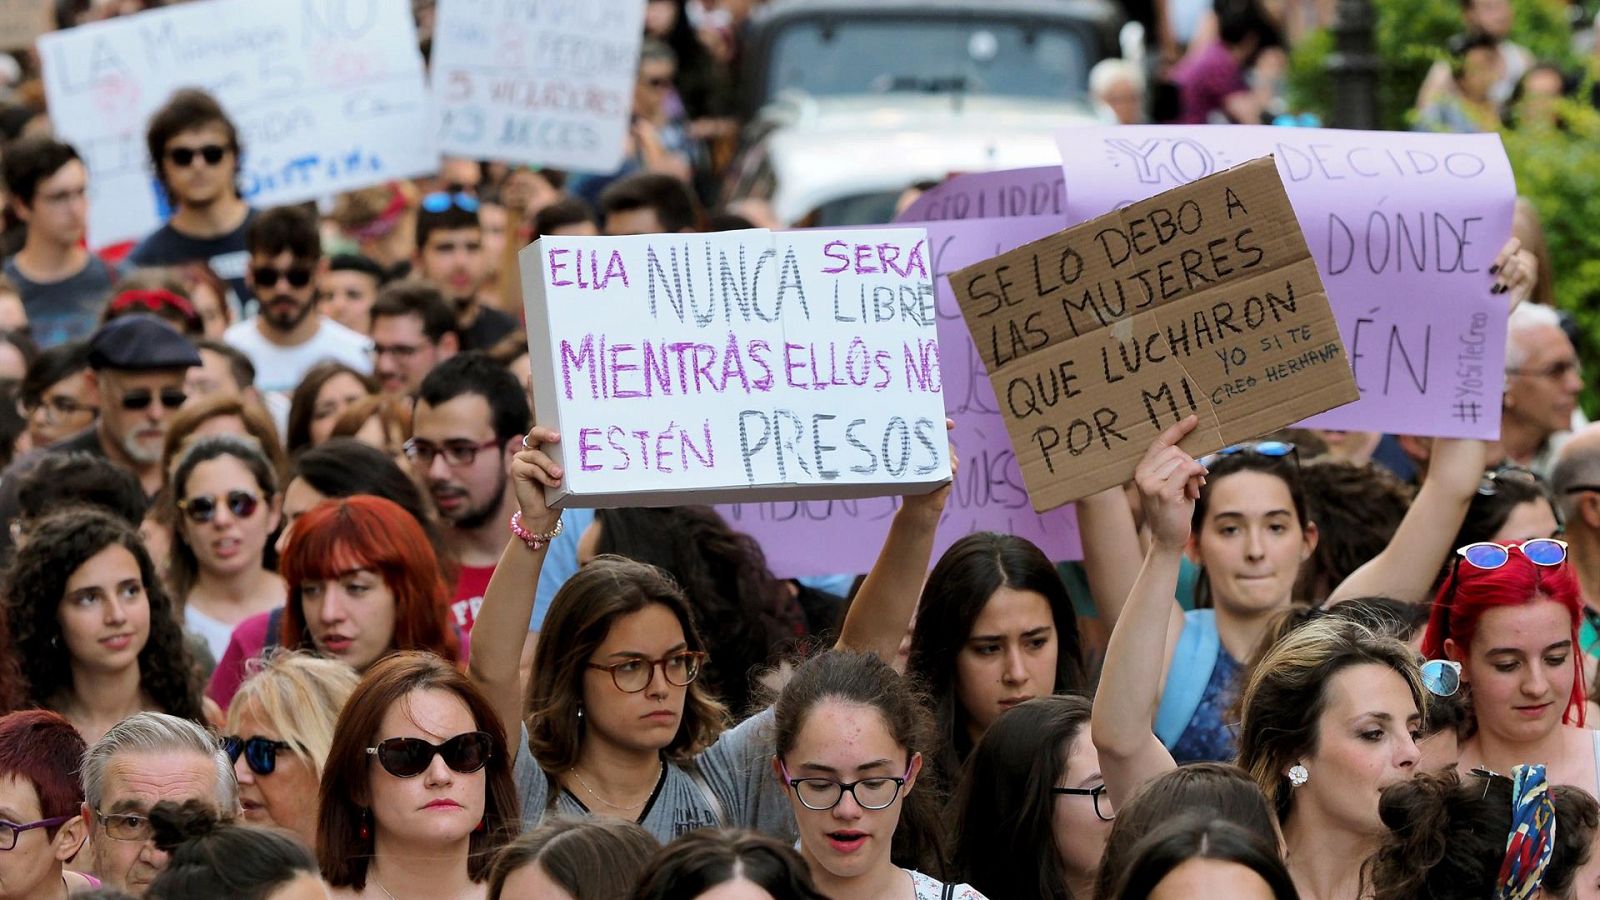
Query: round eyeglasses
(1102, 802)
(822, 794)
(634, 675)
(1539, 551)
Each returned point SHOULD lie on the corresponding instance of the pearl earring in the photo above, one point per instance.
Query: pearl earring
(1298, 775)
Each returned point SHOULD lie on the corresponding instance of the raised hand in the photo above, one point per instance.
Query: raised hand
(532, 470)
(1169, 481)
(1516, 272)
(934, 501)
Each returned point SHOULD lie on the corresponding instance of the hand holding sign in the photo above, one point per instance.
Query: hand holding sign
(532, 473)
(1169, 483)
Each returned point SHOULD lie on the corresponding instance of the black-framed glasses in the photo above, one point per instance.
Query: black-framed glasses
(267, 277)
(1539, 551)
(141, 398)
(1442, 677)
(260, 754)
(1102, 801)
(1489, 485)
(124, 826)
(456, 453)
(11, 832)
(409, 757)
(634, 675)
(822, 794)
(442, 200)
(54, 407)
(183, 157)
(202, 508)
(1269, 449)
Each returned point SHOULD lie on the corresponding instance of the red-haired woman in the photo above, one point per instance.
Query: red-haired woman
(363, 583)
(40, 798)
(1509, 616)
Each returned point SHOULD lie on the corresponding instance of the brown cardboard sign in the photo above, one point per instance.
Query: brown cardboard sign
(1201, 300)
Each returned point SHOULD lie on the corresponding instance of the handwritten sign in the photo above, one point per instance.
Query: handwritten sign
(1036, 191)
(745, 365)
(21, 22)
(1203, 299)
(544, 82)
(1403, 228)
(824, 537)
(328, 96)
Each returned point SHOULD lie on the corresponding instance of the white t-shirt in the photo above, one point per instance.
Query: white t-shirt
(279, 369)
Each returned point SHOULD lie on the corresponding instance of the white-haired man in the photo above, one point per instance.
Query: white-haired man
(1543, 379)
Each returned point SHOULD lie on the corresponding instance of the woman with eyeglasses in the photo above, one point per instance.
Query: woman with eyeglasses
(1508, 617)
(1331, 714)
(58, 396)
(417, 795)
(279, 731)
(1031, 811)
(40, 802)
(620, 723)
(326, 391)
(225, 502)
(93, 627)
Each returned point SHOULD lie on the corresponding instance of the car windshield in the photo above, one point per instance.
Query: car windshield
(849, 55)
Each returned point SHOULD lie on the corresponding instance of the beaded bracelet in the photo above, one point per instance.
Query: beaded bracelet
(534, 541)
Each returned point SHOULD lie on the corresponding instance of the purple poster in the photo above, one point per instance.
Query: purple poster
(1009, 193)
(1403, 228)
(829, 537)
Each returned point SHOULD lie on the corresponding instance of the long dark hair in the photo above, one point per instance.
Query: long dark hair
(1199, 836)
(36, 584)
(864, 679)
(1003, 840)
(959, 587)
(1283, 468)
(743, 611)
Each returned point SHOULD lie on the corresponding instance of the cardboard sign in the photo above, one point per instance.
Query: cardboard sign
(825, 537)
(543, 82)
(21, 22)
(1403, 228)
(1203, 300)
(1036, 191)
(327, 95)
(743, 365)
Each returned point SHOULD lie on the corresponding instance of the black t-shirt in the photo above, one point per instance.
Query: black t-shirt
(226, 254)
(487, 329)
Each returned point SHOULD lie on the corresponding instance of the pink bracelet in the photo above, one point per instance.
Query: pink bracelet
(534, 541)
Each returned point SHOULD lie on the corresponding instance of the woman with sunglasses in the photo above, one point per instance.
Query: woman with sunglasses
(417, 795)
(620, 723)
(225, 502)
(1330, 716)
(1508, 617)
(93, 626)
(326, 391)
(279, 731)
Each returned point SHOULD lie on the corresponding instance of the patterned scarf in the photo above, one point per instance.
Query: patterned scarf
(1533, 835)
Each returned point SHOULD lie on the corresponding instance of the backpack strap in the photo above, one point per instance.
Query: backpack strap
(949, 892)
(1193, 660)
(274, 630)
(710, 796)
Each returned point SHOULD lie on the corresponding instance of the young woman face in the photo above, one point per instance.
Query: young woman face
(286, 797)
(104, 613)
(351, 616)
(1080, 833)
(641, 720)
(440, 806)
(298, 498)
(1366, 741)
(1520, 667)
(1212, 878)
(1009, 657)
(228, 542)
(334, 397)
(1252, 542)
(847, 742)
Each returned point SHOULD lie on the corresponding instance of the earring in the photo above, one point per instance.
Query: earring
(365, 830)
(580, 710)
(1298, 775)
(481, 827)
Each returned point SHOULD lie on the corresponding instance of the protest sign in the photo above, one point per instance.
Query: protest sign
(824, 537)
(1203, 299)
(742, 365)
(327, 95)
(21, 22)
(1036, 191)
(543, 82)
(1403, 227)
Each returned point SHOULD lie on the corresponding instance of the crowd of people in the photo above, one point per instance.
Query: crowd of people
(284, 612)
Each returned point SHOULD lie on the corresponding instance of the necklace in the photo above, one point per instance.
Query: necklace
(593, 793)
(384, 889)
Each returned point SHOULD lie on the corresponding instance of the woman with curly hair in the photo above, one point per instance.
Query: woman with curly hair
(94, 628)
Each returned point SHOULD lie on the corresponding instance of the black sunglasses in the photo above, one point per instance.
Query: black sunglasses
(183, 157)
(260, 754)
(410, 757)
(202, 508)
(139, 398)
(267, 276)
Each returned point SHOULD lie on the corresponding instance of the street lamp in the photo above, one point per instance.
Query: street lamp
(1354, 66)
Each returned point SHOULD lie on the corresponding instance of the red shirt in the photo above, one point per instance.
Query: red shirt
(470, 585)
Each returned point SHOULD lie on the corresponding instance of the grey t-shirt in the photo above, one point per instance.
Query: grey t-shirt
(65, 310)
(737, 771)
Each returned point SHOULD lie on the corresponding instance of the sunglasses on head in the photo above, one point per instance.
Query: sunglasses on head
(1539, 551)
(260, 754)
(410, 757)
(1269, 449)
(202, 508)
(267, 277)
(183, 157)
(441, 201)
(1489, 485)
(139, 398)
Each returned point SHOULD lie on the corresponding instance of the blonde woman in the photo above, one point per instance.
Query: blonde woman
(280, 727)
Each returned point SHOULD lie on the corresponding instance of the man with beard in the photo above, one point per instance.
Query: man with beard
(288, 335)
(468, 425)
